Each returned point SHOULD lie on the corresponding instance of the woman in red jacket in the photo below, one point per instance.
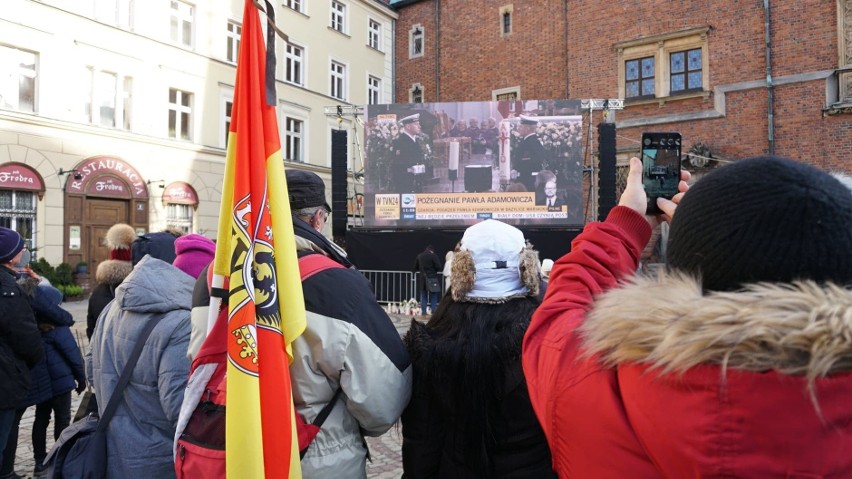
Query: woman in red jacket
(735, 362)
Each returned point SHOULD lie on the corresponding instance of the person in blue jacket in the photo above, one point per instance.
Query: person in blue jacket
(64, 366)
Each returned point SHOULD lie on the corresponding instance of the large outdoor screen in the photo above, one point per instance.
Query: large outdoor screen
(453, 164)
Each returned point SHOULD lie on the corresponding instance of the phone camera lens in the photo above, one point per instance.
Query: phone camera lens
(647, 141)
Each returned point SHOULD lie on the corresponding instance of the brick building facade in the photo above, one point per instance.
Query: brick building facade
(699, 68)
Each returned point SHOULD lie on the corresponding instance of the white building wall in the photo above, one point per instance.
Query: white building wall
(68, 39)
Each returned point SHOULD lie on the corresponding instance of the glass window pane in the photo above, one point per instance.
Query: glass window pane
(694, 80)
(187, 33)
(184, 126)
(26, 92)
(677, 62)
(5, 199)
(631, 69)
(24, 227)
(695, 59)
(172, 123)
(648, 87)
(632, 88)
(172, 96)
(184, 100)
(648, 67)
(678, 82)
(24, 201)
(174, 28)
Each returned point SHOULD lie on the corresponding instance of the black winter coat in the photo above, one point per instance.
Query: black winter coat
(434, 443)
(428, 264)
(20, 341)
(109, 275)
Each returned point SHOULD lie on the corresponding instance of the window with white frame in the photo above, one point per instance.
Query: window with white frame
(18, 212)
(374, 34)
(294, 56)
(338, 80)
(179, 216)
(415, 93)
(108, 99)
(293, 139)
(374, 90)
(180, 114)
(182, 21)
(664, 65)
(233, 41)
(115, 12)
(297, 5)
(338, 16)
(18, 74)
(415, 42)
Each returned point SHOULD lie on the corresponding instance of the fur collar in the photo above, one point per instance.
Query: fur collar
(666, 322)
(112, 271)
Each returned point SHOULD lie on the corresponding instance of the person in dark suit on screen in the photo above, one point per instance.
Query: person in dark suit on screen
(407, 153)
(528, 156)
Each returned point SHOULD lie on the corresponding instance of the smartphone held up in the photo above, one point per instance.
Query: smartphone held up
(660, 167)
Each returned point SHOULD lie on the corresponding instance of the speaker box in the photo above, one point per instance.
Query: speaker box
(338, 183)
(606, 169)
(477, 178)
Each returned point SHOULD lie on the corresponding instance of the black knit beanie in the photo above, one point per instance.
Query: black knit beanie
(763, 219)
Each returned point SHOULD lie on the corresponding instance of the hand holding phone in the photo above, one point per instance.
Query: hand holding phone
(660, 167)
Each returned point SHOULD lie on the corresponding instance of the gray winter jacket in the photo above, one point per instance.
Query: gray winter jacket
(349, 343)
(139, 437)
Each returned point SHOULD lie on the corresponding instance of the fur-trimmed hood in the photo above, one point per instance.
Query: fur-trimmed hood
(112, 271)
(802, 329)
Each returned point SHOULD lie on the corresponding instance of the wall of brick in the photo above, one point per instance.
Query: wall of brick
(421, 69)
(547, 62)
(476, 59)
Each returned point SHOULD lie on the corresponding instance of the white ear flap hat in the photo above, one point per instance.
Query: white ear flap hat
(494, 264)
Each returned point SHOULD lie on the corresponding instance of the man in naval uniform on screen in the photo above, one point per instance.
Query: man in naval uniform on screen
(528, 156)
(407, 154)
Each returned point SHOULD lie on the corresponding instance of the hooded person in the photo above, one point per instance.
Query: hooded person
(110, 272)
(734, 361)
(470, 413)
(64, 366)
(139, 437)
(160, 244)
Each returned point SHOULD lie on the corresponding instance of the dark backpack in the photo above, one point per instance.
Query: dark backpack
(200, 447)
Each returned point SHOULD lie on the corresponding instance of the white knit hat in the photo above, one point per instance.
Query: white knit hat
(494, 264)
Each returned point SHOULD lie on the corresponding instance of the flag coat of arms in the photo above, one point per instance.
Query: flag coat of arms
(256, 251)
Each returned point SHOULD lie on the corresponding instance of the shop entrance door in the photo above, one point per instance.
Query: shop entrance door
(100, 216)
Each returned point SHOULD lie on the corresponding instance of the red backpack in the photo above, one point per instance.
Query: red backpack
(200, 438)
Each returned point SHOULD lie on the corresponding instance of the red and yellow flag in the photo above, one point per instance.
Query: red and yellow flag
(256, 250)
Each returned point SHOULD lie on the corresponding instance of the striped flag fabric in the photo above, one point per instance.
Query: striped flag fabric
(256, 250)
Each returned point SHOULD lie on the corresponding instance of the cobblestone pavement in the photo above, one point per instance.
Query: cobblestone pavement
(386, 450)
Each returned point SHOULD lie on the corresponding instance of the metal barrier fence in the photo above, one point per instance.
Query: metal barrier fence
(394, 286)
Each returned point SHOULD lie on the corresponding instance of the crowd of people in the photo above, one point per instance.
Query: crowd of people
(733, 361)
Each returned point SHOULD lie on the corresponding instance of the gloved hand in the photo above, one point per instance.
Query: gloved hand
(81, 386)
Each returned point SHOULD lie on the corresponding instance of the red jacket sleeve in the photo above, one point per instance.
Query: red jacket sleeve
(600, 256)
